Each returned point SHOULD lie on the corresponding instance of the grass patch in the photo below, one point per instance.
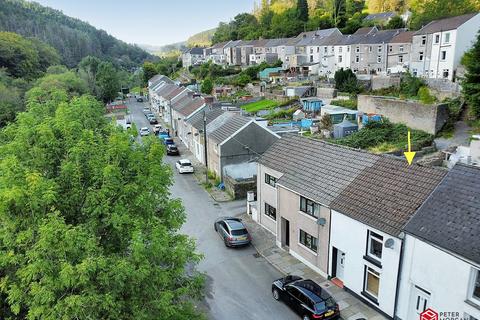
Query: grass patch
(381, 137)
(260, 105)
(475, 125)
(346, 103)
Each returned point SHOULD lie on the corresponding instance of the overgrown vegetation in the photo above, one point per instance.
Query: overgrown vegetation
(167, 66)
(454, 113)
(471, 83)
(346, 81)
(384, 136)
(346, 103)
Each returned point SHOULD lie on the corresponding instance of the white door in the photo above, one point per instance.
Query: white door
(340, 264)
(420, 302)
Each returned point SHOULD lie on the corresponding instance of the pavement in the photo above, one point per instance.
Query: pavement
(239, 281)
(351, 308)
(461, 137)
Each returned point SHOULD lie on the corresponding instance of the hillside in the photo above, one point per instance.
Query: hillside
(72, 38)
(201, 39)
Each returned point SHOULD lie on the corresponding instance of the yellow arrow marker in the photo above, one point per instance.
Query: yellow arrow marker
(409, 155)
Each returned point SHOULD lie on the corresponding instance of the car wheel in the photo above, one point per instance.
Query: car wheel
(226, 243)
(215, 227)
(305, 317)
(276, 294)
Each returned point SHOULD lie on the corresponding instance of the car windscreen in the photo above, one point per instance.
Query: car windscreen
(186, 164)
(328, 303)
(239, 232)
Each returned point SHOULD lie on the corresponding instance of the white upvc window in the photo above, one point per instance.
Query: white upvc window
(379, 59)
(474, 294)
(400, 48)
(437, 39)
(447, 37)
(374, 245)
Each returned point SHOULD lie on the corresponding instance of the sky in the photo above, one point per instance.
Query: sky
(152, 22)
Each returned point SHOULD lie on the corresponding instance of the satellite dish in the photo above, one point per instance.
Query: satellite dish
(389, 243)
(321, 221)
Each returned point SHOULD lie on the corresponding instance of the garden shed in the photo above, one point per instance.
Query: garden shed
(344, 129)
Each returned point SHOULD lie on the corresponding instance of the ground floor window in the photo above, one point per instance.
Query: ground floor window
(308, 241)
(372, 282)
(270, 211)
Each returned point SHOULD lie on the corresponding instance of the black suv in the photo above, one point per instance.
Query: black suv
(306, 298)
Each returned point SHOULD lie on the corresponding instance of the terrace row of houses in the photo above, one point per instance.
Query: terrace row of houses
(231, 139)
(432, 52)
(402, 238)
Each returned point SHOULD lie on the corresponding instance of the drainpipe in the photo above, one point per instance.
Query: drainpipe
(205, 143)
(400, 263)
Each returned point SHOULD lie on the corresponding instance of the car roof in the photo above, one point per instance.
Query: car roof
(312, 290)
(184, 161)
(144, 128)
(234, 224)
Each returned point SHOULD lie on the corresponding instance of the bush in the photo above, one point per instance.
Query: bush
(410, 85)
(378, 136)
(424, 95)
(346, 81)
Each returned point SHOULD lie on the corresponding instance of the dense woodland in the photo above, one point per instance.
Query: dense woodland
(72, 38)
(287, 18)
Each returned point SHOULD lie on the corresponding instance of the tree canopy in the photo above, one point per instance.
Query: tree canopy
(87, 226)
(471, 83)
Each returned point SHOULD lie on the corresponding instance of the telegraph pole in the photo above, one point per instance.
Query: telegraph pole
(205, 143)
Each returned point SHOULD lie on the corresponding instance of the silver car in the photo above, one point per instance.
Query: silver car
(232, 231)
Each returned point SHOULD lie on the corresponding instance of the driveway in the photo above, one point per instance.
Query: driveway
(238, 282)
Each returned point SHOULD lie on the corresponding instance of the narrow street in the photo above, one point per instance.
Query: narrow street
(238, 283)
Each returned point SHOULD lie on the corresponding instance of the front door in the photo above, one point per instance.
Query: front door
(340, 264)
(419, 302)
(285, 233)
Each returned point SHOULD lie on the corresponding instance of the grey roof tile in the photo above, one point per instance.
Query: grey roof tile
(227, 128)
(450, 218)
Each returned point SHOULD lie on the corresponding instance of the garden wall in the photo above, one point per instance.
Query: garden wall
(238, 188)
(429, 118)
(381, 82)
(327, 93)
(443, 88)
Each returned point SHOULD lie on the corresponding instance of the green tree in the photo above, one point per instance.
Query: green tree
(471, 82)
(425, 11)
(207, 86)
(346, 81)
(18, 55)
(88, 68)
(395, 23)
(302, 10)
(354, 6)
(87, 226)
(47, 55)
(149, 71)
(108, 81)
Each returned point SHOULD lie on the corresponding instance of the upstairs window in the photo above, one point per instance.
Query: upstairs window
(424, 40)
(357, 49)
(475, 291)
(443, 55)
(270, 180)
(447, 37)
(380, 49)
(340, 49)
(400, 48)
(270, 211)
(374, 245)
(420, 56)
(309, 207)
(379, 59)
(325, 49)
(437, 38)
(400, 59)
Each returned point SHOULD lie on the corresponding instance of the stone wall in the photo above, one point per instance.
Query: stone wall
(328, 93)
(239, 189)
(443, 88)
(429, 118)
(381, 82)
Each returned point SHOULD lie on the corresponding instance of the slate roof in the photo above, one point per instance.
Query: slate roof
(165, 89)
(366, 30)
(228, 128)
(232, 44)
(219, 45)
(450, 218)
(380, 16)
(445, 24)
(378, 191)
(174, 93)
(197, 119)
(313, 37)
(196, 50)
(158, 79)
(276, 42)
(193, 105)
(403, 37)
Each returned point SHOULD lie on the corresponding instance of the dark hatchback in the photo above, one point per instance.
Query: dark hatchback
(172, 150)
(306, 298)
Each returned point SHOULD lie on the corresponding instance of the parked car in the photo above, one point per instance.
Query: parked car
(146, 110)
(172, 150)
(149, 115)
(184, 166)
(232, 231)
(139, 99)
(306, 298)
(163, 135)
(153, 120)
(168, 141)
(144, 131)
(157, 128)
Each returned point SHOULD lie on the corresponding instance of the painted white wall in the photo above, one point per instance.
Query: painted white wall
(266, 194)
(446, 277)
(467, 33)
(350, 236)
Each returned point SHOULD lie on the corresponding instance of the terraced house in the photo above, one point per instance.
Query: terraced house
(341, 212)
